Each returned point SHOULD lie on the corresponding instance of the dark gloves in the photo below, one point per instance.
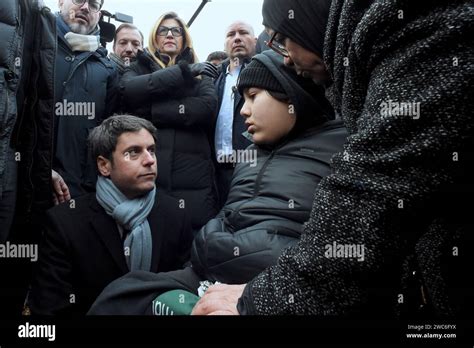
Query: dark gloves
(206, 68)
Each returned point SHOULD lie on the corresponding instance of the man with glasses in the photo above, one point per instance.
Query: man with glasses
(304, 49)
(240, 45)
(85, 93)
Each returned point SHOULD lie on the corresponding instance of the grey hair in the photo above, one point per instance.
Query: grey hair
(103, 139)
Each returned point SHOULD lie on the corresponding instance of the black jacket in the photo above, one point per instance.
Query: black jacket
(10, 73)
(89, 77)
(55, 75)
(399, 189)
(82, 252)
(266, 207)
(183, 109)
(32, 45)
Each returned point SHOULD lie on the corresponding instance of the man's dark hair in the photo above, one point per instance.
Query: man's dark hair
(127, 26)
(103, 139)
(216, 55)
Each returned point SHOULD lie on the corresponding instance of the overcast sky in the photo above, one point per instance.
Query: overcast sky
(207, 31)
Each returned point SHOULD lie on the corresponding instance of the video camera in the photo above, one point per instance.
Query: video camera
(107, 29)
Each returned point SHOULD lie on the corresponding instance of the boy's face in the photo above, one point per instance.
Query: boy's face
(133, 169)
(266, 118)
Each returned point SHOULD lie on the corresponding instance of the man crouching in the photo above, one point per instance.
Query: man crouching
(126, 225)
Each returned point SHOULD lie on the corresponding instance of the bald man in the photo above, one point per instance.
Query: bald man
(240, 44)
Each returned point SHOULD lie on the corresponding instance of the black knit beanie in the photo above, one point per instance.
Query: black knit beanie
(257, 75)
(268, 71)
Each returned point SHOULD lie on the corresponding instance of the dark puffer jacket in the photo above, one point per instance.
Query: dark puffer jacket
(402, 187)
(32, 137)
(183, 109)
(266, 207)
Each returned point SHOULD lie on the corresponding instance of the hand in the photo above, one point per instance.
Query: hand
(206, 68)
(220, 299)
(60, 190)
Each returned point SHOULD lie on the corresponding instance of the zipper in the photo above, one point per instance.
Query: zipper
(53, 113)
(74, 70)
(4, 178)
(34, 102)
(260, 174)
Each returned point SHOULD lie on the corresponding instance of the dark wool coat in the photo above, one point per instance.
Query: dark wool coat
(400, 186)
(82, 252)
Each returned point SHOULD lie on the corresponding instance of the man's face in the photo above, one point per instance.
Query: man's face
(240, 41)
(305, 62)
(127, 43)
(133, 169)
(80, 18)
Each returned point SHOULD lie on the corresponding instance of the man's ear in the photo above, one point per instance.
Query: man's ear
(104, 166)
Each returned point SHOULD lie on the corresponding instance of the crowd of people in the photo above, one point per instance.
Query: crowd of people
(321, 168)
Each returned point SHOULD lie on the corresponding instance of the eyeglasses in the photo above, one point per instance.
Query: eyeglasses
(277, 47)
(175, 31)
(94, 5)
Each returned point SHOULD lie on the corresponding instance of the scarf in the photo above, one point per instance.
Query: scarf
(78, 42)
(121, 65)
(132, 215)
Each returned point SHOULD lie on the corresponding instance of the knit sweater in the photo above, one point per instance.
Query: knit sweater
(394, 203)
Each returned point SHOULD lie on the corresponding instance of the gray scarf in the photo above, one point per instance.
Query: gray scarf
(132, 215)
(78, 42)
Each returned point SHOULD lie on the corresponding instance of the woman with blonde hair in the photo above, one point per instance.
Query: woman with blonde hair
(168, 86)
